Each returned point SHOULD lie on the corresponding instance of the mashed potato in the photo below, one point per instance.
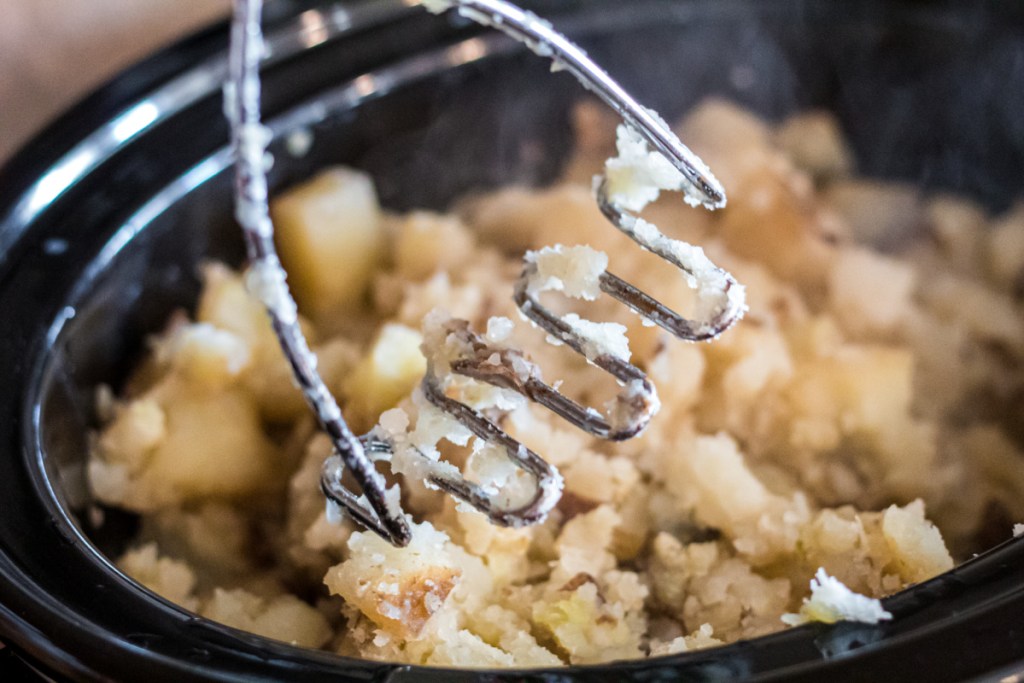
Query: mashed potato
(859, 429)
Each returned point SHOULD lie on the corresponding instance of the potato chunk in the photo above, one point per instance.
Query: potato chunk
(870, 292)
(1005, 248)
(814, 141)
(386, 374)
(330, 238)
(428, 242)
(915, 542)
(227, 306)
(581, 626)
(877, 213)
(398, 589)
(215, 447)
(858, 388)
(284, 617)
(771, 219)
(164, 576)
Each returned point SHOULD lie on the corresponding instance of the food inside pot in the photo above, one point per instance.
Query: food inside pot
(860, 427)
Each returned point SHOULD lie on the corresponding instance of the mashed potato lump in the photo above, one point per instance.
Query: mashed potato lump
(858, 430)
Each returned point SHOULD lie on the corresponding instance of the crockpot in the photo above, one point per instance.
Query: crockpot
(106, 214)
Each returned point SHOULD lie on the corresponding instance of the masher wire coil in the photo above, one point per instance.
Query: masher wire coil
(378, 508)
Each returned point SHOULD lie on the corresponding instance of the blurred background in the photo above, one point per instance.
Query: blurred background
(52, 52)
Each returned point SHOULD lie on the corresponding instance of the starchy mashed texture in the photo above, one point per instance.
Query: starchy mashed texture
(861, 427)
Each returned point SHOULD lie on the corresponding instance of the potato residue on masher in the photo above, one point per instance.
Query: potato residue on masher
(861, 420)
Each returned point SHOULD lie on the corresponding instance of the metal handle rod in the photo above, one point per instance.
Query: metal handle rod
(266, 279)
(547, 42)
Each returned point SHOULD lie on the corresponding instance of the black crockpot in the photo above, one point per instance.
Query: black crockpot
(105, 215)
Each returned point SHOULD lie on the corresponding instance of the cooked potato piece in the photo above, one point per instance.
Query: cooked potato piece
(164, 576)
(958, 229)
(137, 428)
(877, 213)
(728, 138)
(227, 306)
(858, 389)
(915, 543)
(713, 474)
(427, 242)
(206, 356)
(1006, 248)
(330, 238)
(814, 141)
(517, 219)
(770, 220)
(861, 386)
(284, 617)
(214, 447)
(579, 624)
(399, 589)
(992, 317)
(386, 374)
(870, 293)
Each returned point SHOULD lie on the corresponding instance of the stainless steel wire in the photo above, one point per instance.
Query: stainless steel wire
(377, 507)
